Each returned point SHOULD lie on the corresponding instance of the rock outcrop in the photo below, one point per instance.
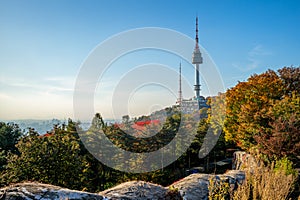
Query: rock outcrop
(243, 160)
(33, 190)
(140, 190)
(194, 186)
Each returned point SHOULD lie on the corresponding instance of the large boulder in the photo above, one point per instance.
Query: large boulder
(195, 186)
(33, 190)
(140, 190)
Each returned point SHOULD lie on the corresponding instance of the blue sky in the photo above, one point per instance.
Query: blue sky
(44, 43)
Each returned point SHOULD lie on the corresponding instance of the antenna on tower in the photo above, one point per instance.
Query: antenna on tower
(180, 90)
(197, 39)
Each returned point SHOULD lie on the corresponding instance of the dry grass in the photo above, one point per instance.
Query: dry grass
(264, 183)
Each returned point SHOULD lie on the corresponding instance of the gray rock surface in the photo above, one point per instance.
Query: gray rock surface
(195, 186)
(243, 161)
(192, 187)
(32, 190)
(137, 190)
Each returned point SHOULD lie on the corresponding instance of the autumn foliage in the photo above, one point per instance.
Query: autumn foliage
(264, 113)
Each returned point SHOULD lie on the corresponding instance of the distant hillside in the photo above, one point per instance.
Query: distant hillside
(41, 126)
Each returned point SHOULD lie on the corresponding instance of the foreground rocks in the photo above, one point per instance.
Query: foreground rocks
(194, 186)
(140, 190)
(34, 190)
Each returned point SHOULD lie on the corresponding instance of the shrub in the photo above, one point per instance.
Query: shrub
(265, 183)
(285, 165)
(173, 194)
(218, 189)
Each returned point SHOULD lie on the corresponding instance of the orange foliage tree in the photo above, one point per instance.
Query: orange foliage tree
(257, 109)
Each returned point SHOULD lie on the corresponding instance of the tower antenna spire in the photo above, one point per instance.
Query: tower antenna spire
(197, 38)
(180, 89)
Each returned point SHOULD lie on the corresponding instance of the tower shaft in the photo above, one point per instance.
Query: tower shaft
(197, 82)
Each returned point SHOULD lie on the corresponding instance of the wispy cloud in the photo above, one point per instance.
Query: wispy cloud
(253, 59)
(259, 50)
(49, 84)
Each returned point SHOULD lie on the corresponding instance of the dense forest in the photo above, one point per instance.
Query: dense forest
(262, 116)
